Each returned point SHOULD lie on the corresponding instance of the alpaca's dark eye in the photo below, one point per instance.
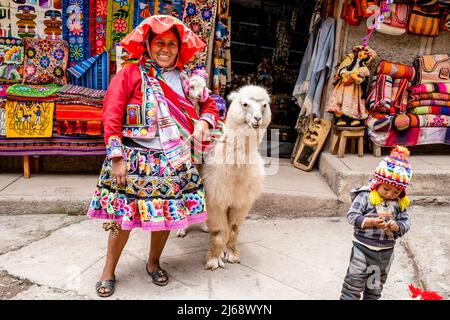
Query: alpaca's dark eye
(245, 104)
(265, 105)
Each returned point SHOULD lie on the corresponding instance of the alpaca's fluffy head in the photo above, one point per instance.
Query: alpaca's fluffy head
(197, 89)
(250, 105)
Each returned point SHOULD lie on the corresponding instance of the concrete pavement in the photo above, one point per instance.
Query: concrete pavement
(61, 257)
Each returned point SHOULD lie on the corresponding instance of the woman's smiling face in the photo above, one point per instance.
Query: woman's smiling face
(164, 49)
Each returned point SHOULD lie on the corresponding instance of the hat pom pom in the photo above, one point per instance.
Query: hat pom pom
(400, 151)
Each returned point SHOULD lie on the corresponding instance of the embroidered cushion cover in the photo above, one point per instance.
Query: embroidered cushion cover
(11, 60)
(45, 61)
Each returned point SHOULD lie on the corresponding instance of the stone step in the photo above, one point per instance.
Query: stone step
(287, 192)
(429, 185)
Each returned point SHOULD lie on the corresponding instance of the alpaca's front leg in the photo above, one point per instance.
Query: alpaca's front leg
(218, 230)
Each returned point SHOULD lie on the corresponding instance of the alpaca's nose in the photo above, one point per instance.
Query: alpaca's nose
(257, 117)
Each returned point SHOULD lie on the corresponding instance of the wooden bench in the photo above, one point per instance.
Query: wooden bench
(27, 165)
(340, 136)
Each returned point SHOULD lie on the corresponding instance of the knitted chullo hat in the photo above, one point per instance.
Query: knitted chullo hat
(394, 170)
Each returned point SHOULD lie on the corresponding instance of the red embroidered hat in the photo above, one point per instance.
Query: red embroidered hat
(134, 42)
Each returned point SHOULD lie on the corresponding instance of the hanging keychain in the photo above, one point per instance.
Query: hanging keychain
(376, 19)
(112, 225)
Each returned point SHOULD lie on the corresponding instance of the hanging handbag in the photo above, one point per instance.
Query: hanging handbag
(397, 22)
(432, 69)
(348, 13)
(362, 8)
(424, 22)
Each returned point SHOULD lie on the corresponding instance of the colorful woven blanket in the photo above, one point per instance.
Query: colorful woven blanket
(427, 96)
(422, 103)
(430, 110)
(73, 119)
(411, 137)
(91, 73)
(429, 120)
(73, 146)
(431, 87)
(77, 91)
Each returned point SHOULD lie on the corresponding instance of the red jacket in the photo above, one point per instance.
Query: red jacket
(125, 89)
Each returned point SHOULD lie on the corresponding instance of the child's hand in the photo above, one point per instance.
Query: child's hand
(377, 223)
(393, 226)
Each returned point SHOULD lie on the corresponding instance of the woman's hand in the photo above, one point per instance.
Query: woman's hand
(119, 171)
(201, 131)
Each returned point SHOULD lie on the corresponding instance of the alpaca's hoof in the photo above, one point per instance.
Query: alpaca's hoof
(181, 233)
(204, 227)
(214, 263)
(233, 258)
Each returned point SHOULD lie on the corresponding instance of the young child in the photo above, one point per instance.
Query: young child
(379, 216)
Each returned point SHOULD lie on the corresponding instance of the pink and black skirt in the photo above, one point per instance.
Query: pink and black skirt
(157, 197)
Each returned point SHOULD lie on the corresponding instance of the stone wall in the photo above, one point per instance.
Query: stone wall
(402, 49)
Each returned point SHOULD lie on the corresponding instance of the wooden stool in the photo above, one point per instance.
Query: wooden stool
(339, 138)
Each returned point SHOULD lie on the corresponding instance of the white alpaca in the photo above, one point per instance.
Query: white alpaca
(195, 87)
(233, 172)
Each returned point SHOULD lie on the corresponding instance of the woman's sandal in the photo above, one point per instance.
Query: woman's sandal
(156, 275)
(108, 284)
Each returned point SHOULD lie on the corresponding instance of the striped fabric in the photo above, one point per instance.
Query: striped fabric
(424, 23)
(412, 137)
(400, 95)
(427, 96)
(431, 88)
(381, 93)
(430, 110)
(91, 73)
(57, 145)
(419, 103)
(75, 119)
(429, 120)
(396, 70)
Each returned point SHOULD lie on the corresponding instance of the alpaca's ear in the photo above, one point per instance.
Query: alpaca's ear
(233, 96)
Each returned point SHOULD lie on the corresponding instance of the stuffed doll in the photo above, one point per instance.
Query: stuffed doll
(346, 100)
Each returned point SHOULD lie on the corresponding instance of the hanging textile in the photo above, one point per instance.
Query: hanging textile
(221, 52)
(91, 73)
(99, 8)
(5, 19)
(312, 77)
(76, 29)
(119, 23)
(200, 18)
(172, 8)
(36, 19)
(142, 10)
